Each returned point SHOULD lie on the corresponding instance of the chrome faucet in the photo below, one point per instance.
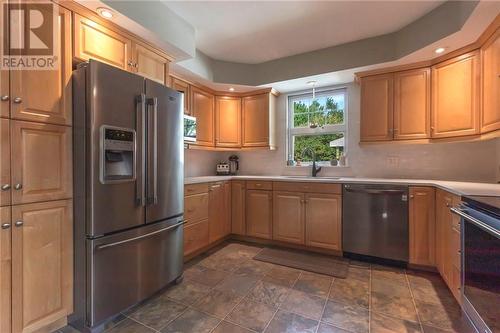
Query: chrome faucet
(315, 169)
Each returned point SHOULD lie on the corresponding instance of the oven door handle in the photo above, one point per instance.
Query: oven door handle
(473, 220)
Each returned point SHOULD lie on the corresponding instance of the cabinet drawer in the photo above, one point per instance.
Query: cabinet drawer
(195, 236)
(308, 187)
(196, 207)
(259, 185)
(195, 189)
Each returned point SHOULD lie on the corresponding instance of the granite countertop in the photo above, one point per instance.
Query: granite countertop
(458, 188)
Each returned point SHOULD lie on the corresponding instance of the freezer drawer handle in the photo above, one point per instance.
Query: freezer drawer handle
(100, 247)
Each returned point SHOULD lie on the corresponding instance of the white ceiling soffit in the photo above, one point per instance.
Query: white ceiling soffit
(154, 22)
(253, 32)
(441, 22)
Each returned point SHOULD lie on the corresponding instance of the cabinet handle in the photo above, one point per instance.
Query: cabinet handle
(411, 196)
(18, 100)
(19, 223)
(447, 204)
(5, 187)
(18, 186)
(4, 98)
(6, 226)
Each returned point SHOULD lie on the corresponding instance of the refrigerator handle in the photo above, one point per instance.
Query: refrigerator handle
(153, 129)
(140, 119)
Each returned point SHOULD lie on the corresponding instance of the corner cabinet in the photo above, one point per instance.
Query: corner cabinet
(42, 263)
(227, 121)
(202, 104)
(490, 60)
(455, 96)
(377, 107)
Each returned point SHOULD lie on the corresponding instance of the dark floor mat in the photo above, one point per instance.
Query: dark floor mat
(311, 262)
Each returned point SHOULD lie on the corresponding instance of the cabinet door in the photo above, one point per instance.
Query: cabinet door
(45, 95)
(238, 207)
(150, 64)
(227, 208)
(227, 121)
(195, 236)
(324, 221)
(259, 212)
(288, 217)
(202, 104)
(422, 226)
(94, 41)
(377, 107)
(255, 119)
(5, 181)
(216, 214)
(5, 269)
(455, 97)
(4, 79)
(196, 207)
(444, 201)
(412, 104)
(41, 162)
(490, 118)
(42, 262)
(183, 87)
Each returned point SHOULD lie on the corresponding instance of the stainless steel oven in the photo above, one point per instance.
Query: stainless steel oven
(481, 261)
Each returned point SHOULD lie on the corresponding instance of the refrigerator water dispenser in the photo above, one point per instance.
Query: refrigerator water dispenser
(117, 155)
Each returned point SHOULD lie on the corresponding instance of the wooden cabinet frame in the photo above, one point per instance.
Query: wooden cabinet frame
(490, 84)
(422, 225)
(5, 270)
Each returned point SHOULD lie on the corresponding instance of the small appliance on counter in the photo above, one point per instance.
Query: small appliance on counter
(234, 164)
(223, 169)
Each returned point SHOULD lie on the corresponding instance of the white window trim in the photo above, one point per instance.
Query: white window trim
(327, 129)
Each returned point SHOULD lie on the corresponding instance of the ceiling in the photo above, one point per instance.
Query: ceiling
(258, 31)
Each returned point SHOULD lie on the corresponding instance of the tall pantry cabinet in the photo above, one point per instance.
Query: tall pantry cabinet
(36, 243)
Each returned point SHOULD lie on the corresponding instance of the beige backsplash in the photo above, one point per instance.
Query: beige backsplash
(464, 161)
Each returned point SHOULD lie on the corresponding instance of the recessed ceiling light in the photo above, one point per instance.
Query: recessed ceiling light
(105, 12)
(231, 89)
(439, 50)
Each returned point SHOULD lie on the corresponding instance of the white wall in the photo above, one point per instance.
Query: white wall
(472, 161)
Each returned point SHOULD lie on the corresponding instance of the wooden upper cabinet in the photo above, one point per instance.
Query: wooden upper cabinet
(45, 95)
(4, 92)
(288, 217)
(227, 121)
(377, 107)
(490, 117)
(42, 263)
(422, 226)
(150, 64)
(259, 213)
(5, 269)
(41, 162)
(256, 120)
(5, 180)
(324, 220)
(183, 87)
(202, 104)
(412, 104)
(238, 207)
(94, 41)
(455, 96)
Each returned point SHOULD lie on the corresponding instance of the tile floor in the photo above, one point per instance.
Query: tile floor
(226, 291)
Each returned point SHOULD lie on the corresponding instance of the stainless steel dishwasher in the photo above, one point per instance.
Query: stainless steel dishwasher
(375, 221)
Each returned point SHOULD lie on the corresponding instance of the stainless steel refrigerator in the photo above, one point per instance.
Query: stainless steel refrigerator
(128, 186)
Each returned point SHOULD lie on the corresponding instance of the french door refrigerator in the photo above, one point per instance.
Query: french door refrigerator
(128, 185)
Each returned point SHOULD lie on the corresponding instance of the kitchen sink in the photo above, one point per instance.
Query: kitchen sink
(310, 177)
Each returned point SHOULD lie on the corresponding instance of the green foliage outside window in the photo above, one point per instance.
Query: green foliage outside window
(320, 144)
(317, 113)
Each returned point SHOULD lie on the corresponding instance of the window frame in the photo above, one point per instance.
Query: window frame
(327, 129)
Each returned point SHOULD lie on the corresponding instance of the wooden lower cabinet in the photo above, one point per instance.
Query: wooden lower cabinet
(42, 264)
(288, 217)
(5, 269)
(323, 220)
(238, 225)
(259, 213)
(196, 207)
(216, 213)
(195, 236)
(422, 225)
